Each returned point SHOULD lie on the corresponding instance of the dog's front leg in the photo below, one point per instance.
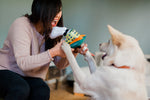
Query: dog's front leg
(91, 62)
(78, 74)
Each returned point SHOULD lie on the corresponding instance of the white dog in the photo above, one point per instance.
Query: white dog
(122, 75)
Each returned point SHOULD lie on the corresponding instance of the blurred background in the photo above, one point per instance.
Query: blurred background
(90, 17)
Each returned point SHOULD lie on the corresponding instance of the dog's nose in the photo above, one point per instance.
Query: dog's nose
(100, 44)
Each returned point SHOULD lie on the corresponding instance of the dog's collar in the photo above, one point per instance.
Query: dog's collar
(122, 67)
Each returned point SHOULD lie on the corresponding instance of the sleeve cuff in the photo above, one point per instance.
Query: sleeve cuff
(50, 57)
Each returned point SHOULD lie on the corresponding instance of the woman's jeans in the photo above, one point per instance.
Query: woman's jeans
(16, 87)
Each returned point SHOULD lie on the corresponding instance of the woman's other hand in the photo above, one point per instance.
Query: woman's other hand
(82, 50)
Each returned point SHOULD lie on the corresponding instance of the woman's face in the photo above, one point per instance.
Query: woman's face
(56, 19)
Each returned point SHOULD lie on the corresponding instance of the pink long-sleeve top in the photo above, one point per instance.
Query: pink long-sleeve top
(22, 53)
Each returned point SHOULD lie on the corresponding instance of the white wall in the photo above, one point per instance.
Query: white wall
(9, 11)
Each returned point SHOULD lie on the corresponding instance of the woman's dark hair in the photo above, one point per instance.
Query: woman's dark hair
(45, 11)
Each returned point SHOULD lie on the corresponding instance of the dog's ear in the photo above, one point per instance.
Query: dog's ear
(116, 36)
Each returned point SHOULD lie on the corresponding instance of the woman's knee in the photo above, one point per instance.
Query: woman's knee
(21, 88)
(44, 92)
(18, 90)
(43, 89)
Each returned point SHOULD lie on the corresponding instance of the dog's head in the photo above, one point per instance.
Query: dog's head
(122, 50)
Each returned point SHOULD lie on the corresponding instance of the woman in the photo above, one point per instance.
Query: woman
(28, 51)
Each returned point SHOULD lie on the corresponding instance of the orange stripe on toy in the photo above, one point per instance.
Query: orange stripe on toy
(77, 39)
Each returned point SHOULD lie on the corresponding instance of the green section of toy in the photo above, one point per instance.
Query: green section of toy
(74, 38)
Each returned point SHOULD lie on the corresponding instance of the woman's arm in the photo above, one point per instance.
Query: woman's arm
(21, 39)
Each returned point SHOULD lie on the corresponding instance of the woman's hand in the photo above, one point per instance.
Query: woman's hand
(57, 50)
(82, 50)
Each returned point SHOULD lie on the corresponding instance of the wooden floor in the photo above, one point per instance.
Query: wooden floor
(64, 92)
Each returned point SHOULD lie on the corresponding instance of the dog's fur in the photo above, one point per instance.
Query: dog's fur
(110, 81)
